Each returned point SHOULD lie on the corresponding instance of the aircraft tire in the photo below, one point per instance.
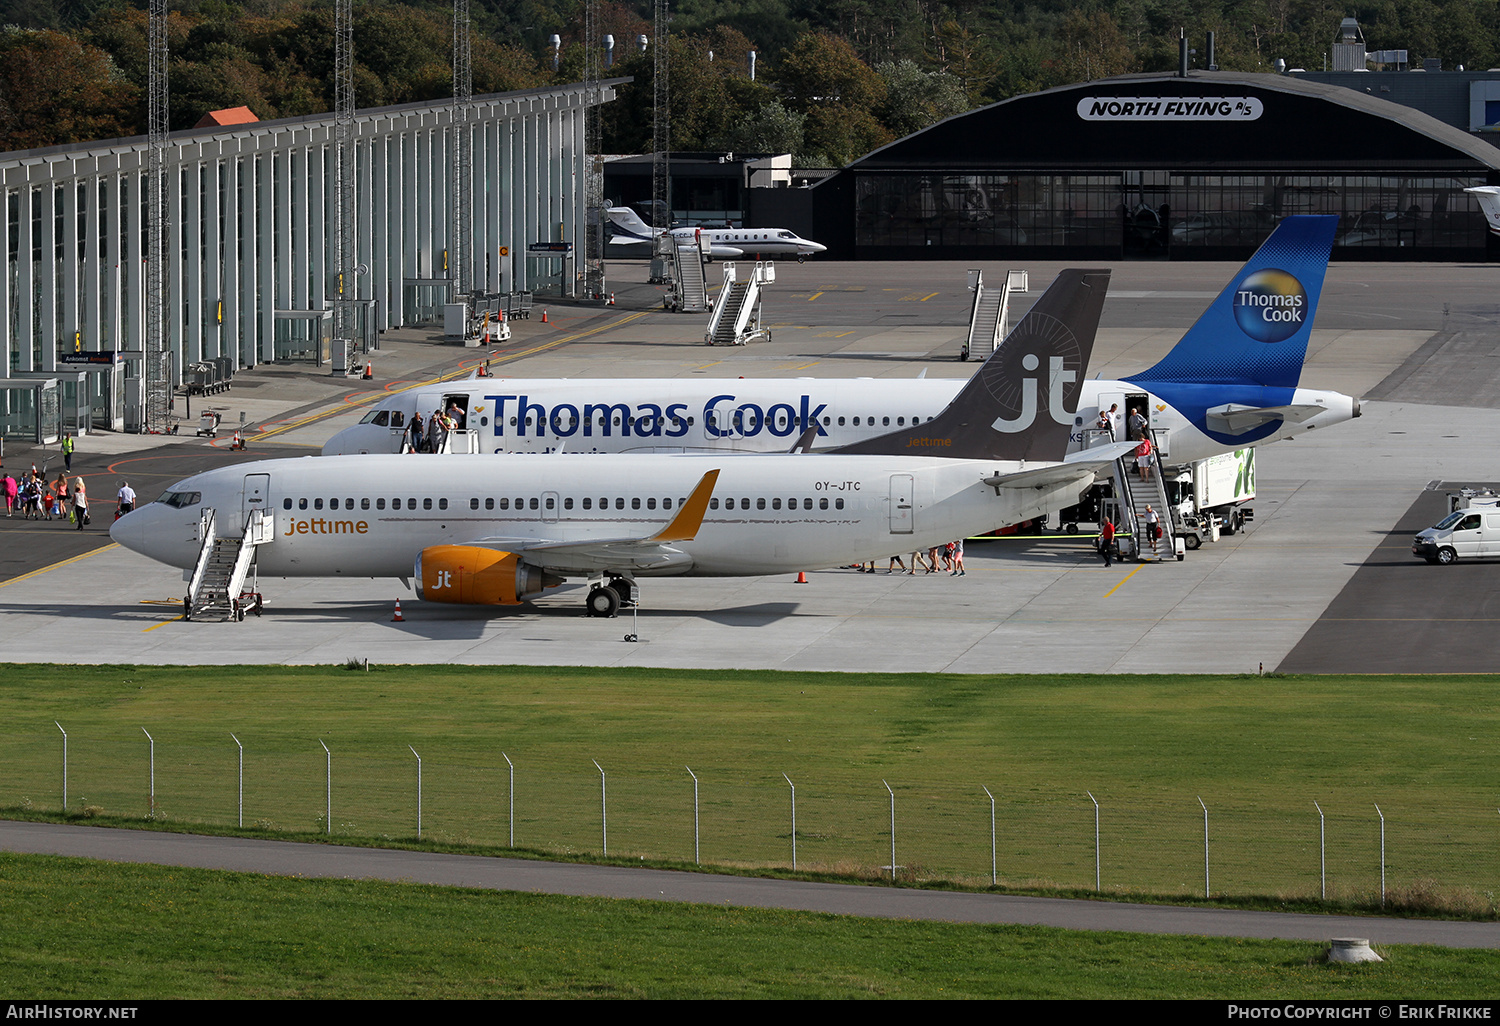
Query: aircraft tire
(1446, 556)
(603, 601)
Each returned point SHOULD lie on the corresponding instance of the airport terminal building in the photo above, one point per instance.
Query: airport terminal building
(252, 273)
(1165, 166)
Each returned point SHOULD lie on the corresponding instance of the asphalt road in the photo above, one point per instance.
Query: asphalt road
(282, 858)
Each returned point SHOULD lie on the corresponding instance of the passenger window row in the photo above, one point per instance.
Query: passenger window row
(550, 502)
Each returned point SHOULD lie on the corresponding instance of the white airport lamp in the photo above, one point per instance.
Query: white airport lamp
(1097, 888)
(893, 829)
(328, 779)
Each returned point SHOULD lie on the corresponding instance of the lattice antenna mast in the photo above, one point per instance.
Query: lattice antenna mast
(343, 145)
(460, 261)
(661, 141)
(158, 355)
(593, 134)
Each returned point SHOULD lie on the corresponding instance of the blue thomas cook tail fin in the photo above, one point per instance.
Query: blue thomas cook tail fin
(1256, 332)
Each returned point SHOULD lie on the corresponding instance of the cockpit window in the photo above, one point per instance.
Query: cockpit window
(181, 500)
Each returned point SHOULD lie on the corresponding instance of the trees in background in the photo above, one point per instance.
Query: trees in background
(835, 78)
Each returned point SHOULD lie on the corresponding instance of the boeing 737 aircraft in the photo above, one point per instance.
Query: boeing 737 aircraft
(724, 243)
(1230, 383)
(498, 529)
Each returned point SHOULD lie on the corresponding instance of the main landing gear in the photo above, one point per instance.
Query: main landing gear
(608, 596)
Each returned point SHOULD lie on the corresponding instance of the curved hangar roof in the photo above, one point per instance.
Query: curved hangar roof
(1210, 121)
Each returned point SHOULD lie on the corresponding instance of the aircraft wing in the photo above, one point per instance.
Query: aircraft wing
(1234, 418)
(648, 552)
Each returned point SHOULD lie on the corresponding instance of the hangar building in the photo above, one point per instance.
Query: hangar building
(1165, 166)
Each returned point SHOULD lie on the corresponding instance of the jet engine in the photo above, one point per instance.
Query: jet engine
(477, 576)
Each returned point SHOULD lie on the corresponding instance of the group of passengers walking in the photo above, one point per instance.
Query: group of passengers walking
(949, 558)
(432, 435)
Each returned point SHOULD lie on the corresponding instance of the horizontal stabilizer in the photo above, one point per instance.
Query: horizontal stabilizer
(1234, 419)
(1079, 466)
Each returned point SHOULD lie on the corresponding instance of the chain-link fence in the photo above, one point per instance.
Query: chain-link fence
(1147, 841)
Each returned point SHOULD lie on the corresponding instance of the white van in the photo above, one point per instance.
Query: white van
(1471, 533)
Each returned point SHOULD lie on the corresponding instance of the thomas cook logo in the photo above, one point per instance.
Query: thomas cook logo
(1270, 305)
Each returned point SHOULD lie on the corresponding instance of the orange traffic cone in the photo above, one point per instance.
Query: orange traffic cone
(369, 370)
(801, 577)
(398, 617)
(611, 300)
(544, 316)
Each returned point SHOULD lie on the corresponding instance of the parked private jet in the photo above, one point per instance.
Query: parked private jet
(1230, 383)
(724, 243)
(1489, 202)
(498, 529)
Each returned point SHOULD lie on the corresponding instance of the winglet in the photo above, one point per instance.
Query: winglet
(684, 526)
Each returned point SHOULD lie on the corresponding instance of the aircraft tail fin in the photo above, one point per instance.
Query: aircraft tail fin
(628, 227)
(1022, 402)
(1256, 331)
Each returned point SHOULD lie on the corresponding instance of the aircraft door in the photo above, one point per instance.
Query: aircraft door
(902, 508)
(257, 492)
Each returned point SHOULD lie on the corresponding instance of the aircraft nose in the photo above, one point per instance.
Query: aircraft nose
(129, 530)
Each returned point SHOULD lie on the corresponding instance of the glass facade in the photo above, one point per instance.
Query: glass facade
(1156, 213)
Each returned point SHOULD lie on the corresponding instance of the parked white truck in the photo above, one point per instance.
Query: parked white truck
(1208, 497)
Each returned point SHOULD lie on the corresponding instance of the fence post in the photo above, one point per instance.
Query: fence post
(1322, 852)
(1205, 845)
(603, 807)
(59, 726)
(1097, 888)
(1382, 855)
(419, 792)
(512, 798)
(794, 819)
(994, 876)
(151, 811)
(241, 781)
(328, 798)
(695, 812)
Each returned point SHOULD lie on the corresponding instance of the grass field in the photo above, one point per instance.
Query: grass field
(76, 929)
(1259, 751)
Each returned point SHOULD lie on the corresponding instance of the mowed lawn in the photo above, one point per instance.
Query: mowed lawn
(1259, 751)
(84, 930)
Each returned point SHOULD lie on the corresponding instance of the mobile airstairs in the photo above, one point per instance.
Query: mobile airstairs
(1132, 495)
(989, 317)
(736, 317)
(681, 257)
(216, 590)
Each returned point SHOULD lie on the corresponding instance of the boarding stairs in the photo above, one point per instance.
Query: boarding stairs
(736, 316)
(1134, 495)
(681, 259)
(989, 317)
(216, 590)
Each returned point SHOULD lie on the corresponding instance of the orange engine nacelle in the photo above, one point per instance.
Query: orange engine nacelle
(476, 576)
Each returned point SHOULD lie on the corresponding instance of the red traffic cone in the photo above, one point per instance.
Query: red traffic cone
(801, 577)
(369, 370)
(398, 618)
(544, 316)
(611, 300)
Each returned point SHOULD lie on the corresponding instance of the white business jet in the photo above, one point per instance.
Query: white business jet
(497, 530)
(724, 243)
(1230, 383)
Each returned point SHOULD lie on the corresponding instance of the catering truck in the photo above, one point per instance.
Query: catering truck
(1210, 496)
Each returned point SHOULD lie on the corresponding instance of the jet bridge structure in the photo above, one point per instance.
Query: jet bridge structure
(216, 590)
(736, 318)
(989, 317)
